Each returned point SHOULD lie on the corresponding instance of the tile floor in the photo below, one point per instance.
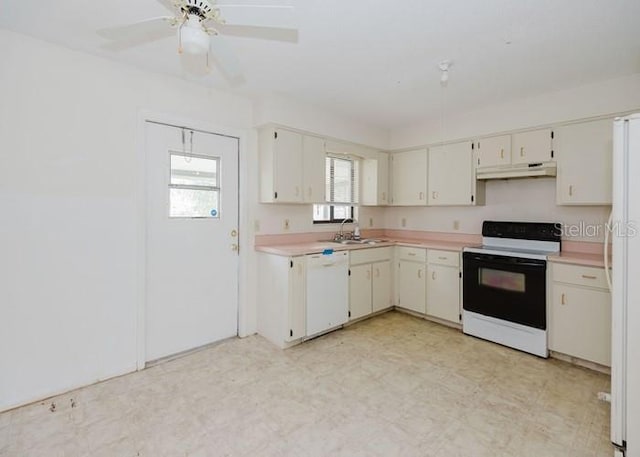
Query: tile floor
(394, 385)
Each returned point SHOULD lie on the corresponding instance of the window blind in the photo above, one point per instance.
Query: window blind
(341, 183)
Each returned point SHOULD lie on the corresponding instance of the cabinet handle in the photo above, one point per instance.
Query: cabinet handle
(420, 195)
(589, 277)
(502, 153)
(377, 272)
(368, 274)
(412, 254)
(420, 274)
(384, 196)
(442, 258)
(434, 195)
(562, 300)
(522, 151)
(570, 191)
(433, 275)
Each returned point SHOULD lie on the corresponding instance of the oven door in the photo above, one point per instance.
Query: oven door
(508, 288)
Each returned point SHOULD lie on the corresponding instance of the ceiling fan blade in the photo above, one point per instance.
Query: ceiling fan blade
(259, 15)
(226, 58)
(264, 33)
(138, 33)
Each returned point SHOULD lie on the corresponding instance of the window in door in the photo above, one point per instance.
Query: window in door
(341, 190)
(194, 186)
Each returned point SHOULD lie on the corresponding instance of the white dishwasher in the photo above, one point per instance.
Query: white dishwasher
(327, 291)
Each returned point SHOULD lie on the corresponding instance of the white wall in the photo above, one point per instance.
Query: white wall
(616, 95)
(69, 220)
(526, 199)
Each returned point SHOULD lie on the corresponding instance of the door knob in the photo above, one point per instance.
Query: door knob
(234, 233)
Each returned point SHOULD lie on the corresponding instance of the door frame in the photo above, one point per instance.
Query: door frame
(243, 136)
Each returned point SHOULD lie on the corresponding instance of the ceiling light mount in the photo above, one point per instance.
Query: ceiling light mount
(444, 67)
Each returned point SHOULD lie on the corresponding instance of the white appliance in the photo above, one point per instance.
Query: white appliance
(504, 284)
(327, 291)
(625, 288)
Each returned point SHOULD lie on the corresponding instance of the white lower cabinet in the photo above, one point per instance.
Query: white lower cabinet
(443, 290)
(369, 281)
(580, 313)
(360, 291)
(412, 279)
(282, 292)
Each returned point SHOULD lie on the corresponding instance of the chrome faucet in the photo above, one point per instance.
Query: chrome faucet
(340, 235)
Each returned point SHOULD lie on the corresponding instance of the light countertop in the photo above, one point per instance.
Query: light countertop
(578, 258)
(297, 249)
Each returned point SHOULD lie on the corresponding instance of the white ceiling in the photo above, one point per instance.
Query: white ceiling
(376, 60)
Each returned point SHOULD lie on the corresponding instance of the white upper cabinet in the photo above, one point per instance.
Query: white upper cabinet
(409, 178)
(374, 176)
(292, 167)
(535, 146)
(494, 151)
(584, 154)
(451, 176)
(313, 169)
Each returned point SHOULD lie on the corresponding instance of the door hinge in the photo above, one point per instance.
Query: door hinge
(290, 263)
(291, 333)
(460, 317)
(552, 153)
(478, 160)
(472, 198)
(473, 146)
(552, 134)
(349, 313)
(275, 195)
(349, 272)
(275, 135)
(460, 274)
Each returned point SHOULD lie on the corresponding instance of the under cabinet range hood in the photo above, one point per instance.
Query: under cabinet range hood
(531, 170)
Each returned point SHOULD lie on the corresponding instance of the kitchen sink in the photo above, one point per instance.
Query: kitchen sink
(362, 241)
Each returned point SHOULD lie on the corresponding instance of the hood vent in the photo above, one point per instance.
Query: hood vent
(531, 170)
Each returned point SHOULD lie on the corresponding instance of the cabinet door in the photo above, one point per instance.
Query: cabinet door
(451, 178)
(532, 147)
(412, 285)
(360, 291)
(443, 292)
(494, 151)
(409, 178)
(383, 178)
(313, 169)
(287, 166)
(297, 302)
(580, 323)
(584, 154)
(381, 272)
(374, 176)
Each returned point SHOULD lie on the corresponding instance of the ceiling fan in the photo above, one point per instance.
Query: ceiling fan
(200, 24)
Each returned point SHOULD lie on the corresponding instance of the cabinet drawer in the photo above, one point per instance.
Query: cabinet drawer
(415, 254)
(581, 276)
(370, 255)
(449, 258)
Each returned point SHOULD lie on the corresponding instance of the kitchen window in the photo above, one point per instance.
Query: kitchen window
(194, 186)
(341, 191)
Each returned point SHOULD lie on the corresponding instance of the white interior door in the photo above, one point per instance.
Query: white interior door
(192, 239)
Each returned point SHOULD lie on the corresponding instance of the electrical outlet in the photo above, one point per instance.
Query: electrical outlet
(404, 221)
(370, 222)
(456, 225)
(285, 225)
(256, 225)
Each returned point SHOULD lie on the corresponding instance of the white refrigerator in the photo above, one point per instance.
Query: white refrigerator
(625, 288)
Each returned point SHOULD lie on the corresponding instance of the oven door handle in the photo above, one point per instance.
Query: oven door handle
(488, 260)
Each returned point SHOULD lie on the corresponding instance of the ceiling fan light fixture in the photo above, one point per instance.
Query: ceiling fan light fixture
(193, 38)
